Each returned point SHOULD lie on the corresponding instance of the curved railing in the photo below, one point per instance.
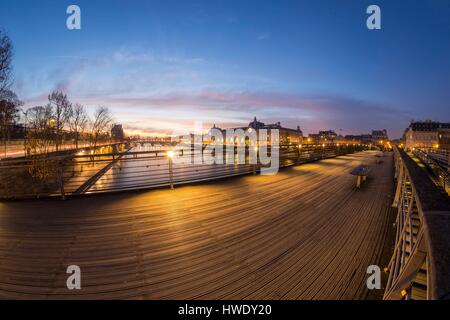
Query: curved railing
(437, 161)
(441, 156)
(86, 173)
(420, 264)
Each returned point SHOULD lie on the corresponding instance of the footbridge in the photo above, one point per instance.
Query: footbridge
(308, 232)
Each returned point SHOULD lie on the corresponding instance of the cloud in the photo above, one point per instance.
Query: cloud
(181, 60)
(122, 71)
(264, 36)
(312, 112)
(129, 57)
(163, 98)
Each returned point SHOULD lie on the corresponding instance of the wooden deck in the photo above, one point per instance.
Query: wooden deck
(305, 233)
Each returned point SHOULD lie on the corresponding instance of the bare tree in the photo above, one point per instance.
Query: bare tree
(62, 112)
(100, 124)
(6, 54)
(39, 135)
(9, 112)
(39, 140)
(78, 121)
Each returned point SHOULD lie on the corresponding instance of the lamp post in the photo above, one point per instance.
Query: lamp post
(299, 153)
(170, 155)
(51, 122)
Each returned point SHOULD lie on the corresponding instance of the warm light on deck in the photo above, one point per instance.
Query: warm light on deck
(170, 154)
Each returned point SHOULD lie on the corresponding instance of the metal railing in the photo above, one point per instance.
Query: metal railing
(441, 156)
(67, 175)
(437, 162)
(420, 264)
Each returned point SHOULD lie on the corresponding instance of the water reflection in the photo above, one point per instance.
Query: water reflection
(152, 169)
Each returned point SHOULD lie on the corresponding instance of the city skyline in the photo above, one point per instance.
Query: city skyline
(160, 66)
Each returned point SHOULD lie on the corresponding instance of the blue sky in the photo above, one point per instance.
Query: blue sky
(161, 65)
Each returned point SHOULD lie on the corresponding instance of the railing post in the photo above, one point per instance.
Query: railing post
(59, 171)
(170, 172)
(256, 158)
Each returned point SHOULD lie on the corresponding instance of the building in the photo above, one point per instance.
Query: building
(328, 135)
(286, 135)
(444, 140)
(379, 136)
(352, 139)
(117, 132)
(323, 137)
(425, 134)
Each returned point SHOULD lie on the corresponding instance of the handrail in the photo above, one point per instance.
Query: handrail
(422, 241)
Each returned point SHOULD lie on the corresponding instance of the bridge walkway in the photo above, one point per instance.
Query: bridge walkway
(305, 233)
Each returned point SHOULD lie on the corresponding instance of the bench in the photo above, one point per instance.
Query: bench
(361, 173)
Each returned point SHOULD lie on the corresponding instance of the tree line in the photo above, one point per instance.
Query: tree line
(50, 126)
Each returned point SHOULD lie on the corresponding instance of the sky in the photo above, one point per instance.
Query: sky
(162, 65)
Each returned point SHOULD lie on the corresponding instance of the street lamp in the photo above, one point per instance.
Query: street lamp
(52, 122)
